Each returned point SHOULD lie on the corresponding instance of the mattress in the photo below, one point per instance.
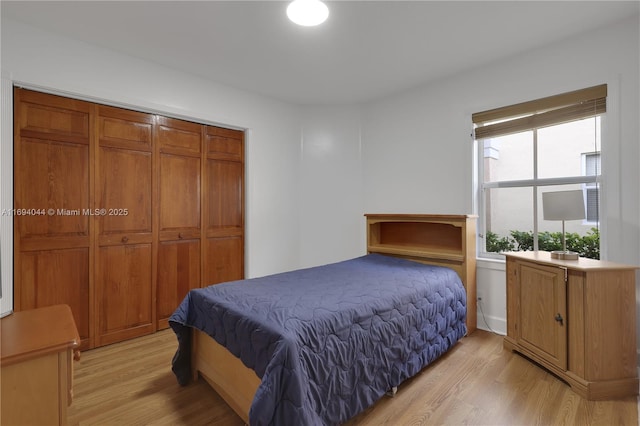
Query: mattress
(328, 341)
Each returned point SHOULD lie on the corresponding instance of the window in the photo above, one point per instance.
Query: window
(524, 150)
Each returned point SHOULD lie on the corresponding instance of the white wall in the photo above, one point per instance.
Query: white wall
(332, 224)
(417, 146)
(416, 153)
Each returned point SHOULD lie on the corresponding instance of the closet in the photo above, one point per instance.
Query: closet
(119, 213)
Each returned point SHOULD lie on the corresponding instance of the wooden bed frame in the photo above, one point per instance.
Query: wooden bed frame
(444, 240)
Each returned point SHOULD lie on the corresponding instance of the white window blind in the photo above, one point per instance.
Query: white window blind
(542, 112)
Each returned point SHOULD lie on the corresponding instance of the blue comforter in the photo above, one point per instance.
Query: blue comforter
(327, 341)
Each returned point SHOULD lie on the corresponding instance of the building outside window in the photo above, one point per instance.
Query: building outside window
(592, 195)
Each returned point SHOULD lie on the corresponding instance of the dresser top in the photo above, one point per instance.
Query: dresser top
(35, 332)
(582, 263)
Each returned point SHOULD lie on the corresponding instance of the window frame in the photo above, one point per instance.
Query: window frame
(531, 116)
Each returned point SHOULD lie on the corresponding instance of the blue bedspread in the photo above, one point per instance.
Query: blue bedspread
(327, 341)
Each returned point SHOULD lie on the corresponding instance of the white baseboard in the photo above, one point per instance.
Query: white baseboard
(491, 323)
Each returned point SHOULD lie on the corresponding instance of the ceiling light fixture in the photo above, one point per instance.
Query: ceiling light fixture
(308, 13)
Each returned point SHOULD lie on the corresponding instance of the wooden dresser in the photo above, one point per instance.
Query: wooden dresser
(577, 318)
(37, 366)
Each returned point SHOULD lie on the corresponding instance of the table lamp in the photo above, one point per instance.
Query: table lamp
(563, 205)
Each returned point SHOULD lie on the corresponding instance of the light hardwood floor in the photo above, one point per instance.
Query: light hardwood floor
(476, 383)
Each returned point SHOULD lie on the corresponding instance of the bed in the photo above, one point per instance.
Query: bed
(319, 345)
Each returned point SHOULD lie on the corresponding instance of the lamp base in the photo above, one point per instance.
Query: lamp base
(564, 255)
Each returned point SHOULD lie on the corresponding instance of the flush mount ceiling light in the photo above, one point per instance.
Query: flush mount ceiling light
(308, 13)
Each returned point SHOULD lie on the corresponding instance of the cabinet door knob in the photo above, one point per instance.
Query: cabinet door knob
(125, 239)
(559, 318)
(180, 236)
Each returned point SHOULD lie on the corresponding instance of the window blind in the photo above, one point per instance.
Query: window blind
(542, 112)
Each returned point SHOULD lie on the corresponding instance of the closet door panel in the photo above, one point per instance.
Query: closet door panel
(225, 204)
(178, 272)
(225, 144)
(49, 117)
(179, 137)
(225, 260)
(180, 176)
(51, 167)
(121, 128)
(124, 292)
(225, 181)
(54, 184)
(55, 277)
(124, 196)
(124, 169)
(179, 193)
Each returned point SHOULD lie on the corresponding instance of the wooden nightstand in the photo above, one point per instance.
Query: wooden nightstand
(577, 318)
(37, 366)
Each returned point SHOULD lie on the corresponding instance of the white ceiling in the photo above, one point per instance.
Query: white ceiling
(365, 50)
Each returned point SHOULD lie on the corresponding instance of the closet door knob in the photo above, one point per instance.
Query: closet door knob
(559, 318)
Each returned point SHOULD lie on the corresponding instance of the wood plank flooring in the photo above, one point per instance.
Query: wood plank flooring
(476, 383)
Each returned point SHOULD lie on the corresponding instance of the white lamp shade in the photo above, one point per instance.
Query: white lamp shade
(563, 205)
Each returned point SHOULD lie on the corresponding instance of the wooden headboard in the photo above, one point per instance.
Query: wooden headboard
(434, 239)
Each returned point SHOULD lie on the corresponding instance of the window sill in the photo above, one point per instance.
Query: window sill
(488, 263)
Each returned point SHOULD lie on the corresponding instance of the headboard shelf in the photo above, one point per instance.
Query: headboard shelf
(416, 251)
(443, 240)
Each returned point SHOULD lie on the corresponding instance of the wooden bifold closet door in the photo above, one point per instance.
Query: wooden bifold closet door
(120, 213)
(224, 168)
(124, 235)
(180, 213)
(53, 250)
